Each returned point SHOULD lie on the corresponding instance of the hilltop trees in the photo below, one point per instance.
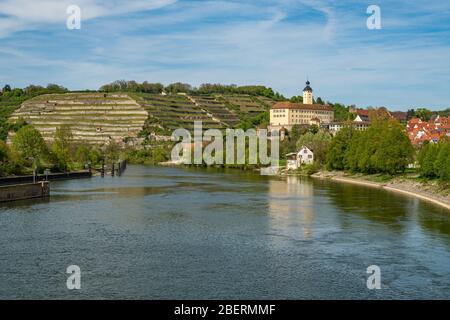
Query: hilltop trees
(178, 87)
(132, 86)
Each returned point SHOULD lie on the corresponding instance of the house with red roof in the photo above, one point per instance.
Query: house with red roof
(420, 131)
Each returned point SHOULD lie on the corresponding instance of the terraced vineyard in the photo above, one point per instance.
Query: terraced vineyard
(246, 104)
(216, 109)
(175, 111)
(94, 118)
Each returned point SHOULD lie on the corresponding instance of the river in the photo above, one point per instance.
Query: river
(173, 233)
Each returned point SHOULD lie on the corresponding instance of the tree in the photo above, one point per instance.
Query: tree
(424, 114)
(379, 114)
(112, 152)
(341, 112)
(411, 113)
(178, 87)
(82, 154)
(54, 88)
(6, 88)
(319, 100)
(297, 99)
(295, 133)
(62, 146)
(30, 145)
(394, 151)
(383, 148)
(95, 156)
(338, 147)
(4, 158)
(426, 159)
(442, 162)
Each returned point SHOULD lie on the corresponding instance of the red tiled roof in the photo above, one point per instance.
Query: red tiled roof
(301, 106)
(431, 130)
(362, 112)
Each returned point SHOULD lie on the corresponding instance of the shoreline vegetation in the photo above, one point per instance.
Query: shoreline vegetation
(424, 190)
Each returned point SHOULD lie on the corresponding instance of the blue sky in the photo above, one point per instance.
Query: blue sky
(276, 43)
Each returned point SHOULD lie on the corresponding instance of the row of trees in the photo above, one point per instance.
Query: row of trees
(382, 148)
(178, 87)
(132, 86)
(32, 90)
(434, 160)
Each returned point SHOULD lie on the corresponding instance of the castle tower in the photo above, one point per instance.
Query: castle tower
(308, 94)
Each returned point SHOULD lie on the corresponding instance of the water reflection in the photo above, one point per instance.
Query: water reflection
(291, 202)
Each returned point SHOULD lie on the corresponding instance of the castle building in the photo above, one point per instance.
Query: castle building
(286, 114)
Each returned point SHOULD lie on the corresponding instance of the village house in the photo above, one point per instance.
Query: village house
(420, 131)
(335, 127)
(361, 115)
(361, 122)
(286, 114)
(296, 160)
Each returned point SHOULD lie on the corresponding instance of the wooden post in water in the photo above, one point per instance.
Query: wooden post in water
(119, 169)
(112, 171)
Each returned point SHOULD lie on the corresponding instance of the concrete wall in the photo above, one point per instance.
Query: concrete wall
(52, 176)
(24, 191)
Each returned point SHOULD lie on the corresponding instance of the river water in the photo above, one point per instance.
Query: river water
(172, 233)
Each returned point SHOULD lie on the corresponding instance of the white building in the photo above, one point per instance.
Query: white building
(296, 160)
(305, 156)
(287, 114)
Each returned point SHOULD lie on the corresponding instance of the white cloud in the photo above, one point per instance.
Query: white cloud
(24, 14)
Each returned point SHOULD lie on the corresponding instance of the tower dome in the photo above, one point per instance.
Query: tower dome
(308, 88)
(307, 94)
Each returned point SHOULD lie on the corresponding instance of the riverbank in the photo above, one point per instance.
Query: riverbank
(427, 191)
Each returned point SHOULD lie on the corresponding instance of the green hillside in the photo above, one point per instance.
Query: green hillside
(170, 112)
(95, 118)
